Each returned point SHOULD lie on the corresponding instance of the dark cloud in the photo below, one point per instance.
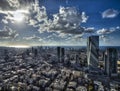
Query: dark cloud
(79, 30)
(4, 5)
(68, 20)
(7, 33)
(12, 5)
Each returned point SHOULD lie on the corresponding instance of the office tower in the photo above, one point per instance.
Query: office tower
(92, 51)
(62, 54)
(35, 52)
(77, 58)
(58, 53)
(110, 59)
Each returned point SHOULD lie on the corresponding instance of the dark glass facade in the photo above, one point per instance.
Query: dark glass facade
(92, 51)
(60, 54)
(110, 59)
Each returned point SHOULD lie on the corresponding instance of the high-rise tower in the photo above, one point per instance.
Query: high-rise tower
(59, 53)
(110, 59)
(62, 54)
(92, 51)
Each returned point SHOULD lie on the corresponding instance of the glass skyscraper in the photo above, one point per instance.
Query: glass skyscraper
(92, 51)
(110, 59)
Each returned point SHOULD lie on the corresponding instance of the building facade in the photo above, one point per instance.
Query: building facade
(60, 54)
(92, 51)
(110, 59)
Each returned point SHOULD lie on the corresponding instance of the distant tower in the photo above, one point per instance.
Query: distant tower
(62, 54)
(77, 58)
(92, 51)
(110, 59)
(35, 52)
(58, 53)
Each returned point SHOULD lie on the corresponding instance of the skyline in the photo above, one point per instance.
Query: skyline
(58, 22)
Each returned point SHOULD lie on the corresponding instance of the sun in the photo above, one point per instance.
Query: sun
(18, 16)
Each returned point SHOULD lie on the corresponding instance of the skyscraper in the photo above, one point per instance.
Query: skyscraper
(58, 53)
(62, 54)
(92, 51)
(110, 59)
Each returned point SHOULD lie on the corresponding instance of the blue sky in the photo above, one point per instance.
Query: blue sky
(59, 22)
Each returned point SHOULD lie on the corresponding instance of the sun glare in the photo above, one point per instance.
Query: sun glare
(19, 46)
(18, 16)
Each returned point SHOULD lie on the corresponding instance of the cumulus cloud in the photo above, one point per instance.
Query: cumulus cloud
(105, 31)
(103, 37)
(89, 30)
(5, 5)
(7, 33)
(38, 16)
(32, 22)
(13, 9)
(106, 38)
(118, 28)
(4, 21)
(110, 13)
(27, 11)
(76, 39)
(68, 20)
(12, 5)
(104, 34)
(34, 37)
